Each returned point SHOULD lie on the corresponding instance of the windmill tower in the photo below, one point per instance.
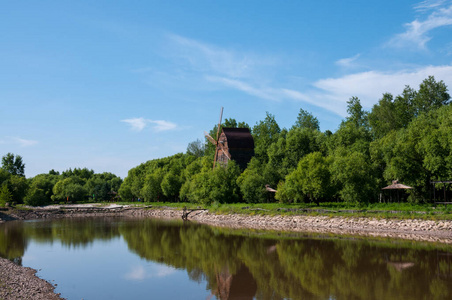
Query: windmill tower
(232, 144)
(219, 147)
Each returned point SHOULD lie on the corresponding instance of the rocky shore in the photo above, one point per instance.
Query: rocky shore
(18, 282)
(21, 283)
(413, 229)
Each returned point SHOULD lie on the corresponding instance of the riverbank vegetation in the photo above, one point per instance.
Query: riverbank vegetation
(406, 137)
(80, 185)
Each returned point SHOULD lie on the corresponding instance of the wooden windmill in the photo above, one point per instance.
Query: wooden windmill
(232, 144)
(218, 145)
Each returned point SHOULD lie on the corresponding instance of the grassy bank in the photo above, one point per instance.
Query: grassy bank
(377, 210)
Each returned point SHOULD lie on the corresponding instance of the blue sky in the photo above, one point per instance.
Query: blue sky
(108, 85)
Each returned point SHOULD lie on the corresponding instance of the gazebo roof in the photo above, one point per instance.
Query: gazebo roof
(397, 186)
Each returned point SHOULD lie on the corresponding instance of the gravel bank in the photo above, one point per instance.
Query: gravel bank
(412, 229)
(18, 282)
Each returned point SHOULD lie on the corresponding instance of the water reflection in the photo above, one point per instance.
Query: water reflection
(247, 265)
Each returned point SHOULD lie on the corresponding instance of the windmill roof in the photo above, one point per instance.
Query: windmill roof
(239, 138)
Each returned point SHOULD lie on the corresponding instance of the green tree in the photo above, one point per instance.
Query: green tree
(252, 186)
(314, 176)
(307, 120)
(171, 185)
(70, 188)
(13, 164)
(100, 186)
(265, 133)
(353, 176)
(383, 118)
(310, 180)
(152, 189)
(403, 106)
(356, 115)
(18, 186)
(217, 185)
(81, 173)
(5, 195)
(232, 123)
(431, 95)
(196, 148)
(36, 197)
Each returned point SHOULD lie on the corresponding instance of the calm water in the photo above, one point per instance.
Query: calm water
(105, 258)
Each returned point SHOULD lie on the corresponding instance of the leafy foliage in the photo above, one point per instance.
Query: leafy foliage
(13, 164)
(406, 137)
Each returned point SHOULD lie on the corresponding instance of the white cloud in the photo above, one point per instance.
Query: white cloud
(262, 92)
(348, 62)
(24, 142)
(18, 141)
(232, 71)
(417, 31)
(163, 271)
(161, 125)
(139, 273)
(369, 86)
(215, 60)
(138, 124)
(428, 5)
(333, 93)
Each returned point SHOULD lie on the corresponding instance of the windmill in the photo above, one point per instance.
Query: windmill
(219, 145)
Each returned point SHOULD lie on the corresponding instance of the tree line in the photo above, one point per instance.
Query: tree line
(71, 185)
(406, 137)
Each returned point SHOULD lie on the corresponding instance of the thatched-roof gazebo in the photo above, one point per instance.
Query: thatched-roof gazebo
(397, 186)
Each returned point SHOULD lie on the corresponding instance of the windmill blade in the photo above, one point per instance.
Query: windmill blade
(219, 123)
(210, 138)
(225, 153)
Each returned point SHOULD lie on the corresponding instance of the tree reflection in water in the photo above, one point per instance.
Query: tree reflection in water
(247, 265)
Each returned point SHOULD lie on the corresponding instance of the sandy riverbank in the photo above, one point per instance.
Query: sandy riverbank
(21, 283)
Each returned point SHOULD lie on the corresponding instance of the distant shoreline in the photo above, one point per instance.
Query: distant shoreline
(439, 231)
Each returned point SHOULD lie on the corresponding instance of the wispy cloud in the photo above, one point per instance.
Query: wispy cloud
(260, 92)
(139, 273)
(333, 93)
(231, 70)
(24, 142)
(417, 31)
(18, 141)
(369, 86)
(138, 124)
(428, 5)
(348, 62)
(160, 125)
(217, 61)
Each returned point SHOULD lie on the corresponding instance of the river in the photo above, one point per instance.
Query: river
(127, 258)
